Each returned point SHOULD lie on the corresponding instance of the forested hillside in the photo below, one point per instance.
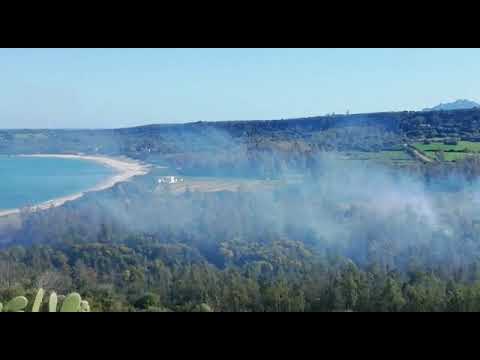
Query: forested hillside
(318, 132)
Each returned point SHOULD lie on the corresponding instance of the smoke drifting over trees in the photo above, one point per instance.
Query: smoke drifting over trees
(367, 212)
(323, 226)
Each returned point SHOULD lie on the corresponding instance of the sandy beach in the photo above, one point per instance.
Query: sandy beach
(124, 168)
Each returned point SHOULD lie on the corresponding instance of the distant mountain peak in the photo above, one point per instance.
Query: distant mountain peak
(456, 105)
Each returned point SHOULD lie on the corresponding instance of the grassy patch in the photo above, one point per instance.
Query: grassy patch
(453, 156)
(462, 146)
(450, 152)
(380, 155)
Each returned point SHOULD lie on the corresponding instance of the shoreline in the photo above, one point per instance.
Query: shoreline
(124, 168)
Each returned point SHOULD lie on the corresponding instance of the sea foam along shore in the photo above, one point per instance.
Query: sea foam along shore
(125, 169)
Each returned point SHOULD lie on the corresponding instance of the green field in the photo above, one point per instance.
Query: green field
(450, 152)
(462, 146)
(453, 156)
(391, 156)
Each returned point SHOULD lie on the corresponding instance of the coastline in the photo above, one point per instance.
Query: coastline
(124, 168)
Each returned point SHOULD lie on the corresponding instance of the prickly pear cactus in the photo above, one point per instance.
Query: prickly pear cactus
(38, 300)
(84, 306)
(71, 303)
(17, 304)
(203, 308)
(52, 302)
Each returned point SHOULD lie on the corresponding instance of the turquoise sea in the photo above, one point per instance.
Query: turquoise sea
(26, 181)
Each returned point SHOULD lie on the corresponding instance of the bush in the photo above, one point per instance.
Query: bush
(148, 300)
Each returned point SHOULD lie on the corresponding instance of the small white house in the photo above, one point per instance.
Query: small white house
(169, 180)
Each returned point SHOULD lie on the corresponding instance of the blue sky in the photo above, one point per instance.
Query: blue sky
(105, 88)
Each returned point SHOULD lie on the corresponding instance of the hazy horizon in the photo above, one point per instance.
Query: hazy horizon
(116, 88)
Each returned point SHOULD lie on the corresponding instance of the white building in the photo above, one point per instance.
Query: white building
(169, 180)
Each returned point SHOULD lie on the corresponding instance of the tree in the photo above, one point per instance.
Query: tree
(148, 300)
(391, 298)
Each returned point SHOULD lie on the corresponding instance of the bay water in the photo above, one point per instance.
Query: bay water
(27, 181)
